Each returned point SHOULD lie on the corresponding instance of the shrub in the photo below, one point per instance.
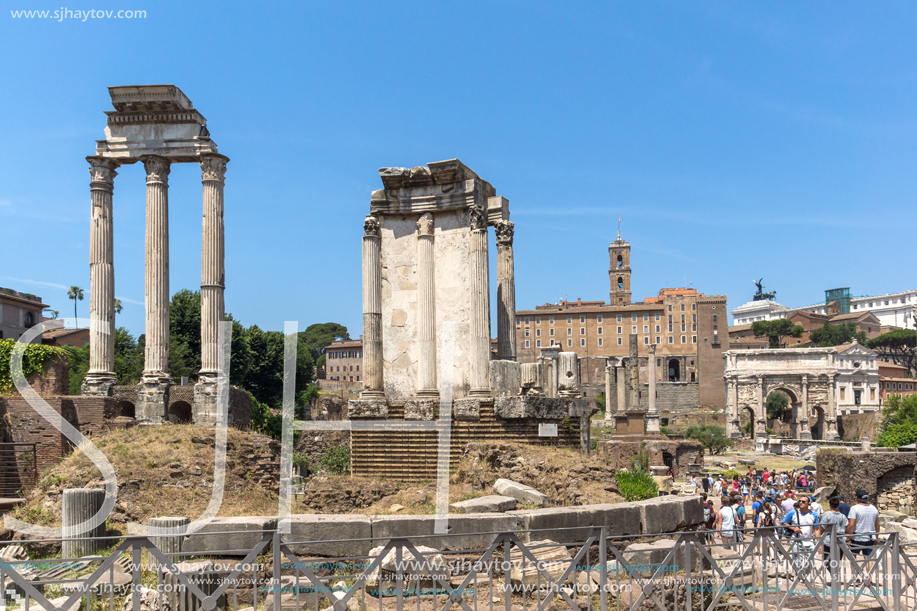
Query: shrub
(637, 485)
(337, 460)
(302, 461)
(731, 473)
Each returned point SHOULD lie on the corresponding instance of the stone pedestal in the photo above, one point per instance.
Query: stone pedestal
(101, 376)
(506, 292)
(152, 405)
(77, 506)
(207, 399)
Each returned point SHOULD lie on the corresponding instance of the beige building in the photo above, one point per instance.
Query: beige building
(18, 312)
(688, 328)
(343, 360)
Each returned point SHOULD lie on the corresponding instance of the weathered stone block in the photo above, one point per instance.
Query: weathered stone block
(466, 409)
(329, 535)
(552, 558)
(505, 378)
(620, 518)
(520, 492)
(425, 409)
(229, 536)
(486, 504)
(659, 516)
(368, 408)
(544, 408)
(563, 524)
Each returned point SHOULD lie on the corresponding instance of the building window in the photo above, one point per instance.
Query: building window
(682, 307)
(552, 342)
(633, 318)
(551, 333)
(582, 319)
(528, 344)
(598, 318)
(600, 341)
(599, 330)
(646, 328)
(582, 330)
(682, 327)
(671, 340)
(658, 329)
(569, 343)
(715, 318)
(646, 340)
(582, 342)
(569, 319)
(569, 331)
(693, 327)
(538, 343)
(633, 329)
(646, 317)
(658, 317)
(684, 340)
(537, 332)
(538, 320)
(527, 332)
(619, 319)
(670, 327)
(658, 340)
(526, 320)
(619, 330)
(693, 339)
(842, 394)
(619, 341)
(551, 320)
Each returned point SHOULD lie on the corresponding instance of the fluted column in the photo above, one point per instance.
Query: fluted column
(831, 417)
(426, 309)
(802, 419)
(101, 377)
(372, 310)
(652, 415)
(621, 387)
(506, 292)
(213, 283)
(153, 389)
(609, 372)
(480, 305)
(732, 409)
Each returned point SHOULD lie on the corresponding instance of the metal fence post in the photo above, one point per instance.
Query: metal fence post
(834, 560)
(894, 569)
(603, 570)
(275, 570)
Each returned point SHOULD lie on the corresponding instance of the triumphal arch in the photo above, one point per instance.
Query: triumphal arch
(157, 126)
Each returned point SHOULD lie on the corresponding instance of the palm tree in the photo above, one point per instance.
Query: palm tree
(75, 293)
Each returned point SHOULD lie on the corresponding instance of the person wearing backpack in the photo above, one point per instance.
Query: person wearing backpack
(832, 516)
(709, 516)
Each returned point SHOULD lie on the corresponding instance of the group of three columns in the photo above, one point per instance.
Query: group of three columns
(153, 389)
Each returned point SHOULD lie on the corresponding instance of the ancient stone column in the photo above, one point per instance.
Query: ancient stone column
(633, 374)
(652, 415)
(609, 412)
(732, 428)
(831, 433)
(802, 419)
(506, 292)
(480, 305)
(213, 282)
(761, 423)
(426, 310)
(77, 506)
(167, 535)
(153, 389)
(101, 376)
(372, 310)
(621, 386)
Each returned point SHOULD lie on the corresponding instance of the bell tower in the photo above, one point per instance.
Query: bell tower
(619, 270)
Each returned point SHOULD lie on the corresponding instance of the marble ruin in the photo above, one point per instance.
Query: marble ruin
(157, 126)
(821, 384)
(426, 290)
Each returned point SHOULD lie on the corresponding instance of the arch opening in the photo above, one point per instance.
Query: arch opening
(180, 413)
(674, 370)
(126, 409)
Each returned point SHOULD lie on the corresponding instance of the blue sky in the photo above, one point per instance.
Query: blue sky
(736, 140)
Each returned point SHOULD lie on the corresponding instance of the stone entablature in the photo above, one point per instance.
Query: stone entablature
(820, 382)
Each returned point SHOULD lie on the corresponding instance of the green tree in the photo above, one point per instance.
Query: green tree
(836, 335)
(319, 335)
(128, 361)
(600, 402)
(775, 403)
(76, 294)
(899, 422)
(185, 334)
(79, 366)
(711, 437)
(900, 346)
(776, 330)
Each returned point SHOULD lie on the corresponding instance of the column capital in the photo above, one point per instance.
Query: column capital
(157, 169)
(371, 227)
(213, 167)
(651, 349)
(424, 225)
(478, 221)
(102, 170)
(504, 231)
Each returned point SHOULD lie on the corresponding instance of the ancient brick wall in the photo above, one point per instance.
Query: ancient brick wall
(875, 472)
(683, 456)
(712, 343)
(895, 490)
(670, 396)
(55, 380)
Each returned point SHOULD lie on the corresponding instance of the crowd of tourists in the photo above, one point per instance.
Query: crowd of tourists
(779, 504)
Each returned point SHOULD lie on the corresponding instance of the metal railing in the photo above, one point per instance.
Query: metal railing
(750, 569)
(18, 469)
